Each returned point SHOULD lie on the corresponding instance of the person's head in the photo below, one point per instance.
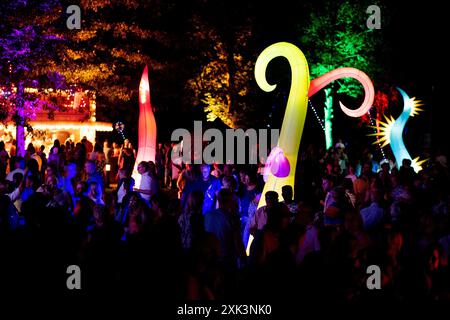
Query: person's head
(42, 148)
(17, 179)
(51, 171)
(394, 180)
(271, 198)
(2, 145)
(94, 190)
(143, 167)
(20, 163)
(30, 148)
(366, 169)
(70, 170)
(126, 143)
(56, 143)
(115, 145)
(229, 182)
(406, 163)
(328, 182)
(32, 182)
(152, 168)
(128, 184)
(81, 188)
(385, 167)
(224, 198)
(194, 202)
(287, 193)
(89, 167)
(242, 176)
(51, 182)
(32, 165)
(122, 173)
(250, 179)
(206, 171)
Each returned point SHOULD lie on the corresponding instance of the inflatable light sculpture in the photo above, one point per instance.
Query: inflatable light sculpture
(391, 131)
(147, 127)
(282, 160)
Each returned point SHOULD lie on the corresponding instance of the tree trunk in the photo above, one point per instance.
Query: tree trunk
(20, 131)
(328, 111)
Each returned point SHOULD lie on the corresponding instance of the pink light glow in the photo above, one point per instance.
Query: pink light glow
(147, 127)
(322, 81)
(277, 164)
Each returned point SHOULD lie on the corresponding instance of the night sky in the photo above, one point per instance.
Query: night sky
(415, 38)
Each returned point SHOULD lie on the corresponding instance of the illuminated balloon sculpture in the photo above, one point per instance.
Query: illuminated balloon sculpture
(147, 127)
(391, 131)
(282, 161)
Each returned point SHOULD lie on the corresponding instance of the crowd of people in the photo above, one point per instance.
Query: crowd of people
(196, 232)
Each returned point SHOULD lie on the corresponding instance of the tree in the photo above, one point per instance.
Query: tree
(334, 36)
(116, 40)
(223, 79)
(28, 45)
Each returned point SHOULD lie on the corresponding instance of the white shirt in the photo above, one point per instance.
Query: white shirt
(372, 216)
(309, 244)
(259, 220)
(11, 174)
(146, 184)
(121, 193)
(16, 198)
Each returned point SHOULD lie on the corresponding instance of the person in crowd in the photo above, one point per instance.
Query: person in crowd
(126, 160)
(147, 188)
(193, 207)
(92, 175)
(373, 216)
(19, 168)
(226, 227)
(288, 199)
(259, 220)
(4, 160)
(193, 247)
(95, 193)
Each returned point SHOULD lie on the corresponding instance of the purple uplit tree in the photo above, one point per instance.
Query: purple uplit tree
(28, 53)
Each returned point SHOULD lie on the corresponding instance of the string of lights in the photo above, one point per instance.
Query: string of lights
(320, 121)
(375, 130)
